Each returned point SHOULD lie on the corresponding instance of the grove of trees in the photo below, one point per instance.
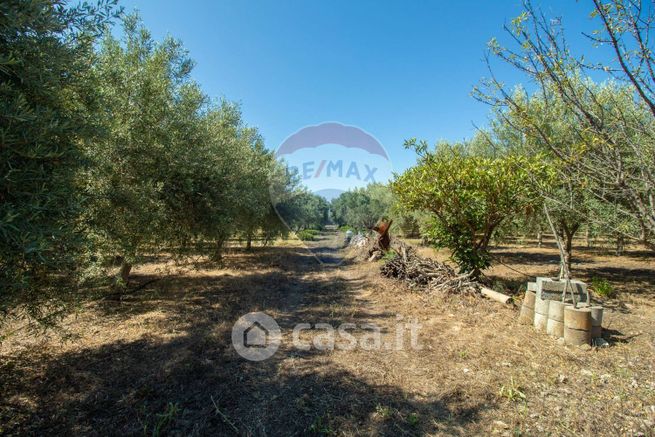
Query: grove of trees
(362, 208)
(110, 152)
(573, 154)
(609, 150)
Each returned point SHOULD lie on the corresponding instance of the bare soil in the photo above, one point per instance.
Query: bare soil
(160, 361)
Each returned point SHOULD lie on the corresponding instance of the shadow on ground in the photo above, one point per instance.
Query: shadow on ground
(627, 273)
(182, 377)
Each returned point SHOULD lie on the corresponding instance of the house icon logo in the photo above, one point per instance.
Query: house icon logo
(256, 336)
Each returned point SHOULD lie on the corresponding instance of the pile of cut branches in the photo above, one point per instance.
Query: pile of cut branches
(426, 273)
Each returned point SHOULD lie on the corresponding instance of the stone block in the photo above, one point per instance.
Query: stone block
(552, 289)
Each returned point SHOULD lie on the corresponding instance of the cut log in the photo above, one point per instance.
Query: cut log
(498, 297)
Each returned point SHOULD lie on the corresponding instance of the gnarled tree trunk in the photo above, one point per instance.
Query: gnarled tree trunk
(620, 245)
(123, 276)
(218, 249)
(568, 232)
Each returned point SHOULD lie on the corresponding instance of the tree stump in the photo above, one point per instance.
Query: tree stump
(382, 243)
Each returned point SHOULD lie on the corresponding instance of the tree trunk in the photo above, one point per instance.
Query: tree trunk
(568, 232)
(568, 249)
(123, 276)
(540, 238)
(588, 238)
(249, 241)
(218, 251)
(620, 245)
(383, 241)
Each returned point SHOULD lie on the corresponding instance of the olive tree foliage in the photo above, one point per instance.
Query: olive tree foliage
(614, 129)
(150, 158)
(254, 203)
(566, 196)
(362, 208)
(174, 171)
(468, 196)
(304, 210)
(409, 223)
(46, 51)
(236, 192)
(293, 207)
(110, 152)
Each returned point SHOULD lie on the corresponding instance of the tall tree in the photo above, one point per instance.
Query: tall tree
(150, 125)
(566, 196)
(615, 123)
(47, 108)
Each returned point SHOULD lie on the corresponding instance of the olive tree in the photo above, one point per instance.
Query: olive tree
(615, 122)
(47, 107)
(362, 208)
(153, 154)
(255, 198)
(566, 196)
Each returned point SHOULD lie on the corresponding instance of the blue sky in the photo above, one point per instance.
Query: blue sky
(396, 69)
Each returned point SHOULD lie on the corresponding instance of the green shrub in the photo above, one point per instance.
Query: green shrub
(603, 287)
(390, 255)
(413, 419)
(307, 235)
(467, 197)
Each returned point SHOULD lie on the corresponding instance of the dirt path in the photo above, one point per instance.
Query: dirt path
(162, 362)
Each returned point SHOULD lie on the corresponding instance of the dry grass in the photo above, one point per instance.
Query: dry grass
(161, 361)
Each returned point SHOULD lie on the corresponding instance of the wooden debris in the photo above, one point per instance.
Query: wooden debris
(373, 255)
(384, 240)
(426, 273)
(493, 294)
(382, 243)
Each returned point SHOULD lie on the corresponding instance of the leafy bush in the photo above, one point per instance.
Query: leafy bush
(603, 287)
(391, 255)
(468, 197)
(307, 234)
